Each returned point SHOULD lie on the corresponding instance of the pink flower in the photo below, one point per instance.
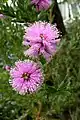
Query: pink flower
(42, 37)
(41, 4)
(1, 16)
(26, 77)
(7, 68)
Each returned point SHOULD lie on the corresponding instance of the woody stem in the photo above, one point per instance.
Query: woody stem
(39, 112)
(50, 17)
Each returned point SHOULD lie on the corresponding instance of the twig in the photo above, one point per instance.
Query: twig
(50, 19)
(39, 112)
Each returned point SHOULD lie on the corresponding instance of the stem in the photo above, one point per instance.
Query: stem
(50, 17)
(39, 112)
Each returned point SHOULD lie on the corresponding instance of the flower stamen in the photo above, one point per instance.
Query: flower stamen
(25, 76)
(43, 36)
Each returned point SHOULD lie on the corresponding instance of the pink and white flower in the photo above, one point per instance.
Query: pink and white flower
(41, 4)
(1, 16)
(7, 68)
(26, 77)
(42, 37)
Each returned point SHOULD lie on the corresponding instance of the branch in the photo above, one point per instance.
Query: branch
(39, 112)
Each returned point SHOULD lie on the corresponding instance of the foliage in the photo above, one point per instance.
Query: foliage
(23, 11)
(61, 88)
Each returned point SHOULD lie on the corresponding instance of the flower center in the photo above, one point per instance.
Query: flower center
(43, 36)
(25, 76)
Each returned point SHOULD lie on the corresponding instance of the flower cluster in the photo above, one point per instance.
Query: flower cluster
(26, 77)
(42, 37)
(41, 4)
